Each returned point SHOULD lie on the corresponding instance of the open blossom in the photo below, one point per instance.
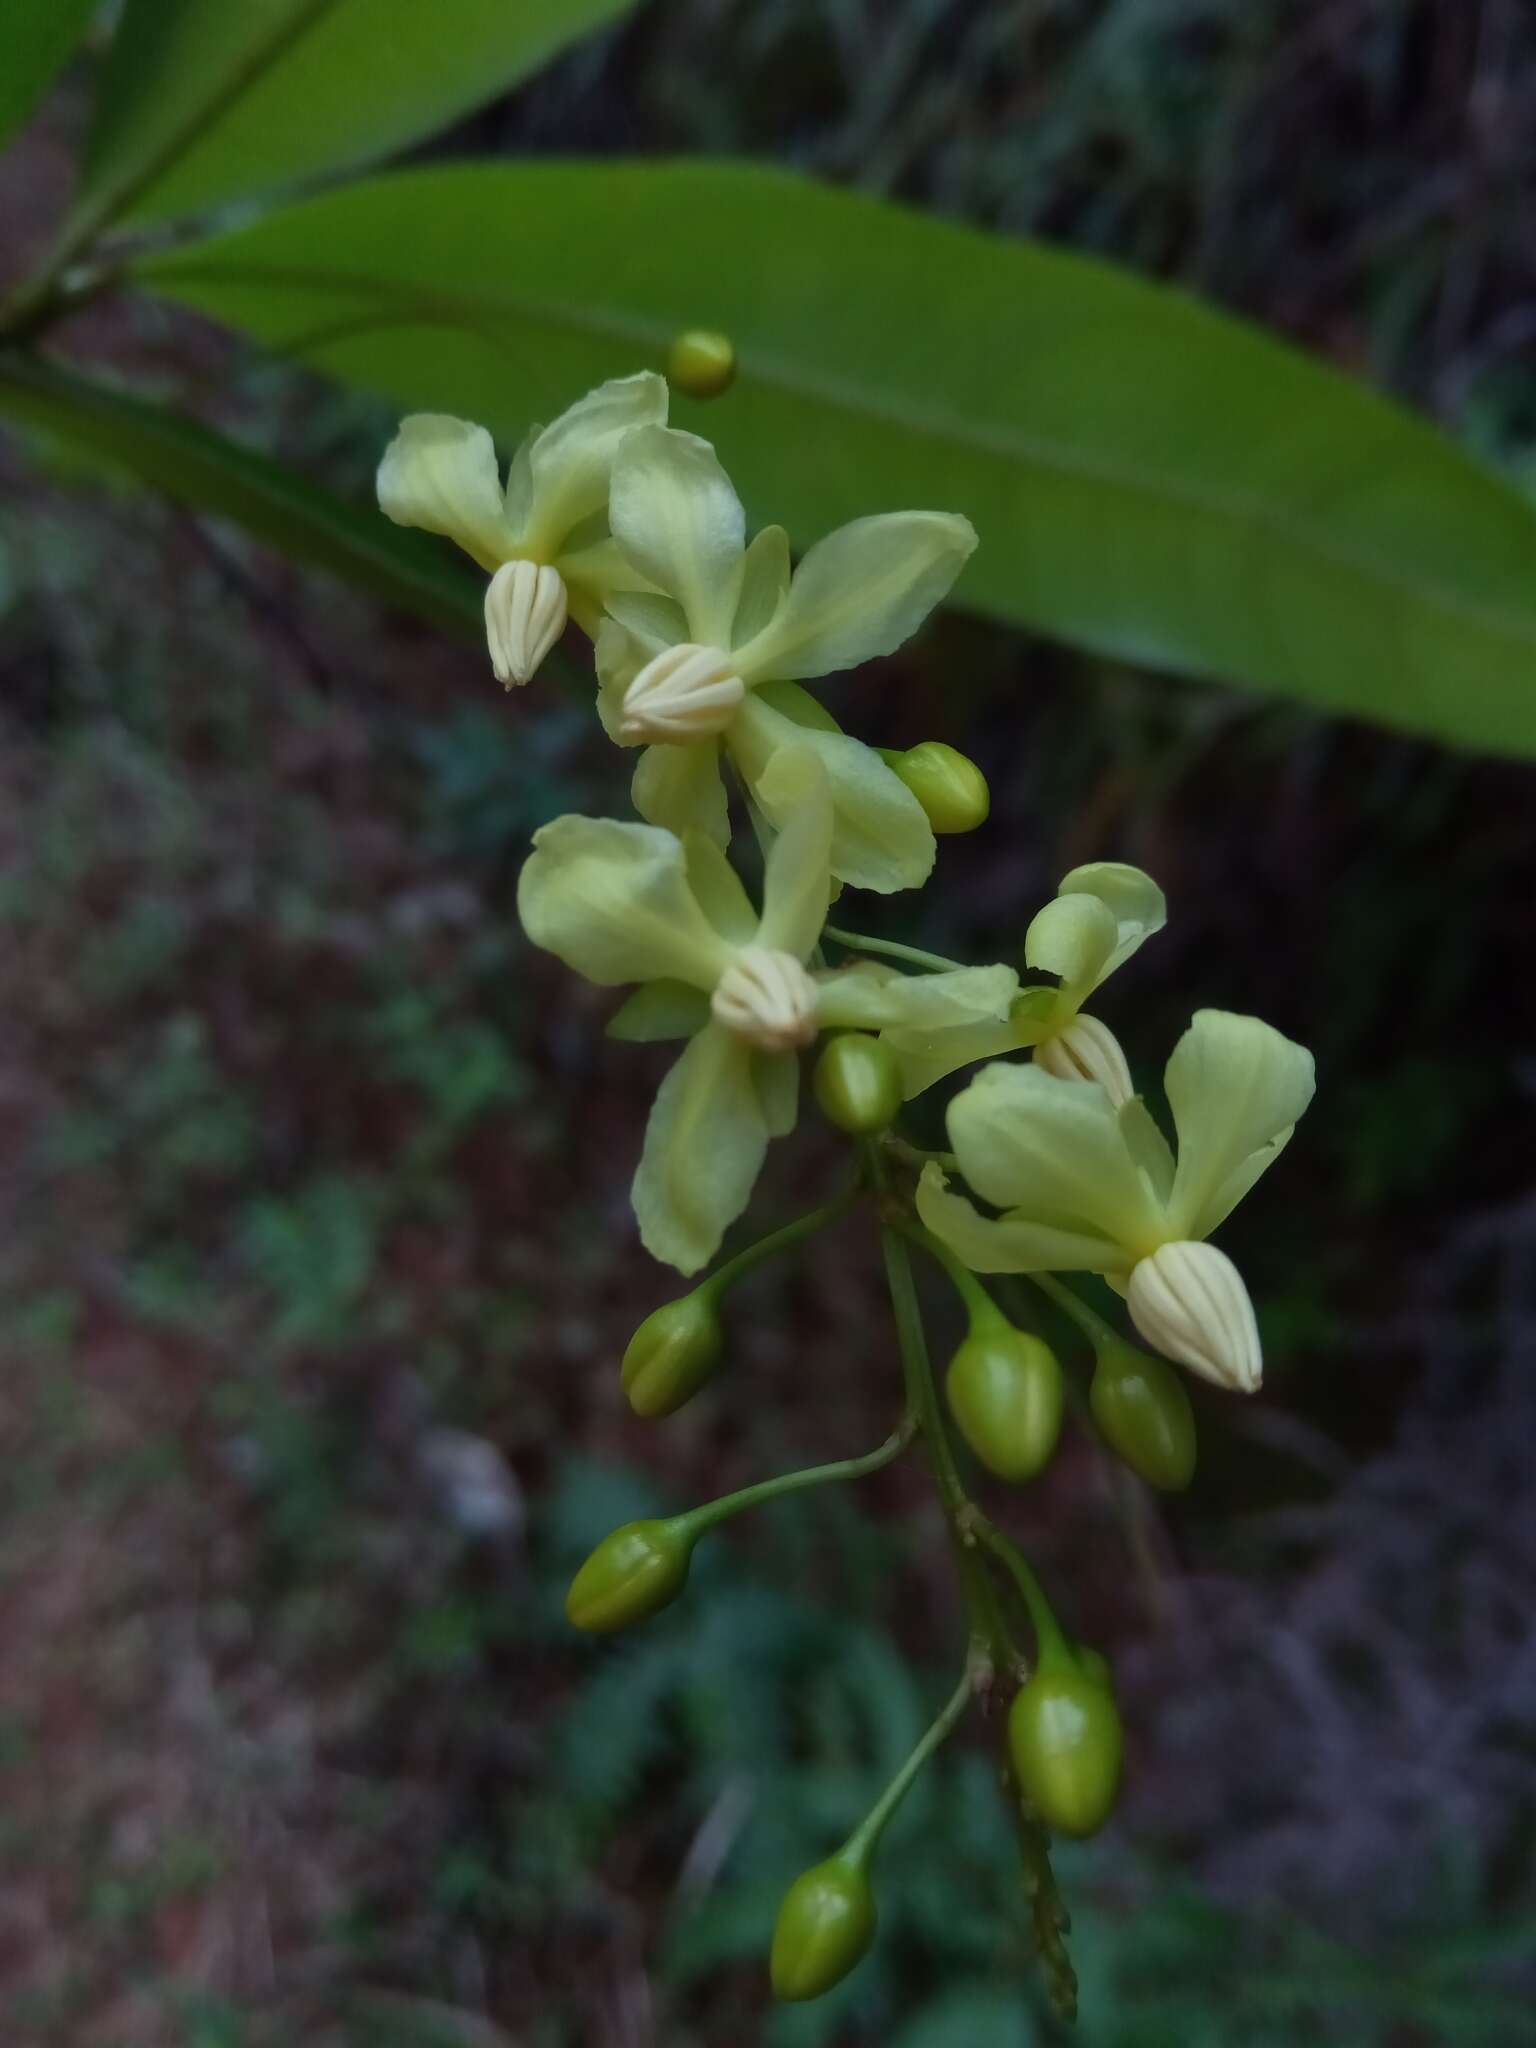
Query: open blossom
(624, 903)
(1086, 1185)
(1097, 919)
(709, 658)
(545, 537)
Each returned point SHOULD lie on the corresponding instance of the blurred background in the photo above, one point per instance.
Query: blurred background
(317, 1262)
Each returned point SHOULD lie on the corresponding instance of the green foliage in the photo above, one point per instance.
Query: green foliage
(270, 500)
(315, 1252)
(201, 105)
(35, 39)
(1150, 478)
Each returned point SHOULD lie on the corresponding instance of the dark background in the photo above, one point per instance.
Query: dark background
(317, 1260)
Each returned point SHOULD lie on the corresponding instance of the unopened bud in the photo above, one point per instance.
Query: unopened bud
(684, 693)
(672, 1354)
(524, 617)
(1190, 1302)
(950, 787)
(824, 1929)
(767, 998)
(1065, 1744)
(858, 1083)
(701, 363)
(1088, 1051)
(1143, 1414)
(632, 1574)
(1004, 1389)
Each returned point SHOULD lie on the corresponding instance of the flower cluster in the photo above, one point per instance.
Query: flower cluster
(704, 641)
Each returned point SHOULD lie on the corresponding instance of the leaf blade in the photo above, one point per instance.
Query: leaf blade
(35, 40)
(203, 470)
(202, 105)
(1151, 478)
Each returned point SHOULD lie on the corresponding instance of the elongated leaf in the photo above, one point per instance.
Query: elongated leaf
(211, 474)
(35, 38)
(1149, 477)
(210, 100)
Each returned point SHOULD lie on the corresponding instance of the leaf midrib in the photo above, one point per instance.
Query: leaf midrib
(459, 309)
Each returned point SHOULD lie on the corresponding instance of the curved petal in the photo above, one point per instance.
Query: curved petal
(1073, 937)
(675, 514)
(924, 1057)
(1132, 898)
(861, 592)
(681, 788)
(1053, 1153)
(777, 1075)
(764, 585)
(881, 838)
(1008, 1244)
(704, 1147)
(613, 902)
(720, 891)
(659, 1010)
(598, 577)
(440, 474)
(519, 491)
(922, 1004)
(797, 703)
(1236, 1087)
(797, 875)
(571, 460)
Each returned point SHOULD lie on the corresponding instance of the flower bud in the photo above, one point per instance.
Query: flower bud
(672, 1354)
(767, 998)
(684, 693)
(858, 1083)
(950, 787)
(1190, 1302)
(1088, 1051)
(701, 363)
(824, 1928)
(1095, 1665)
(1065, 1744)
(1143, 1414)
(524, 617)
(1005, 1393)
(633, 1573)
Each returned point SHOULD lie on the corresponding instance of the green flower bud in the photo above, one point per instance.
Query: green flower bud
(1143, 1414)
(633, 1573)
(1095, 1665)
(672, 1354)
(1065, 1743)
(857, 1082)
(948, 784)
(702, 363)
(824, 1928)
(1005, 1392)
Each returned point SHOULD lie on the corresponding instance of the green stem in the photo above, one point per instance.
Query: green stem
(1050, 1642)
(982, 1310)
(864, 1840)
(778, 1241)
(856, 942)
(701, 1519)
(1093, 1326)
(991, 1646)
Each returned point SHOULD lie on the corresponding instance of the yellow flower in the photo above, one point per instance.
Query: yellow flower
(711, 658)
(625, 903)
(544, 538)
(1087, 1185)
(1098, 918)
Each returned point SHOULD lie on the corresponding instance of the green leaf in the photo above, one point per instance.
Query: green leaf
(203, 104)
(1150, 478)
(211, 474)
(35, 38)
